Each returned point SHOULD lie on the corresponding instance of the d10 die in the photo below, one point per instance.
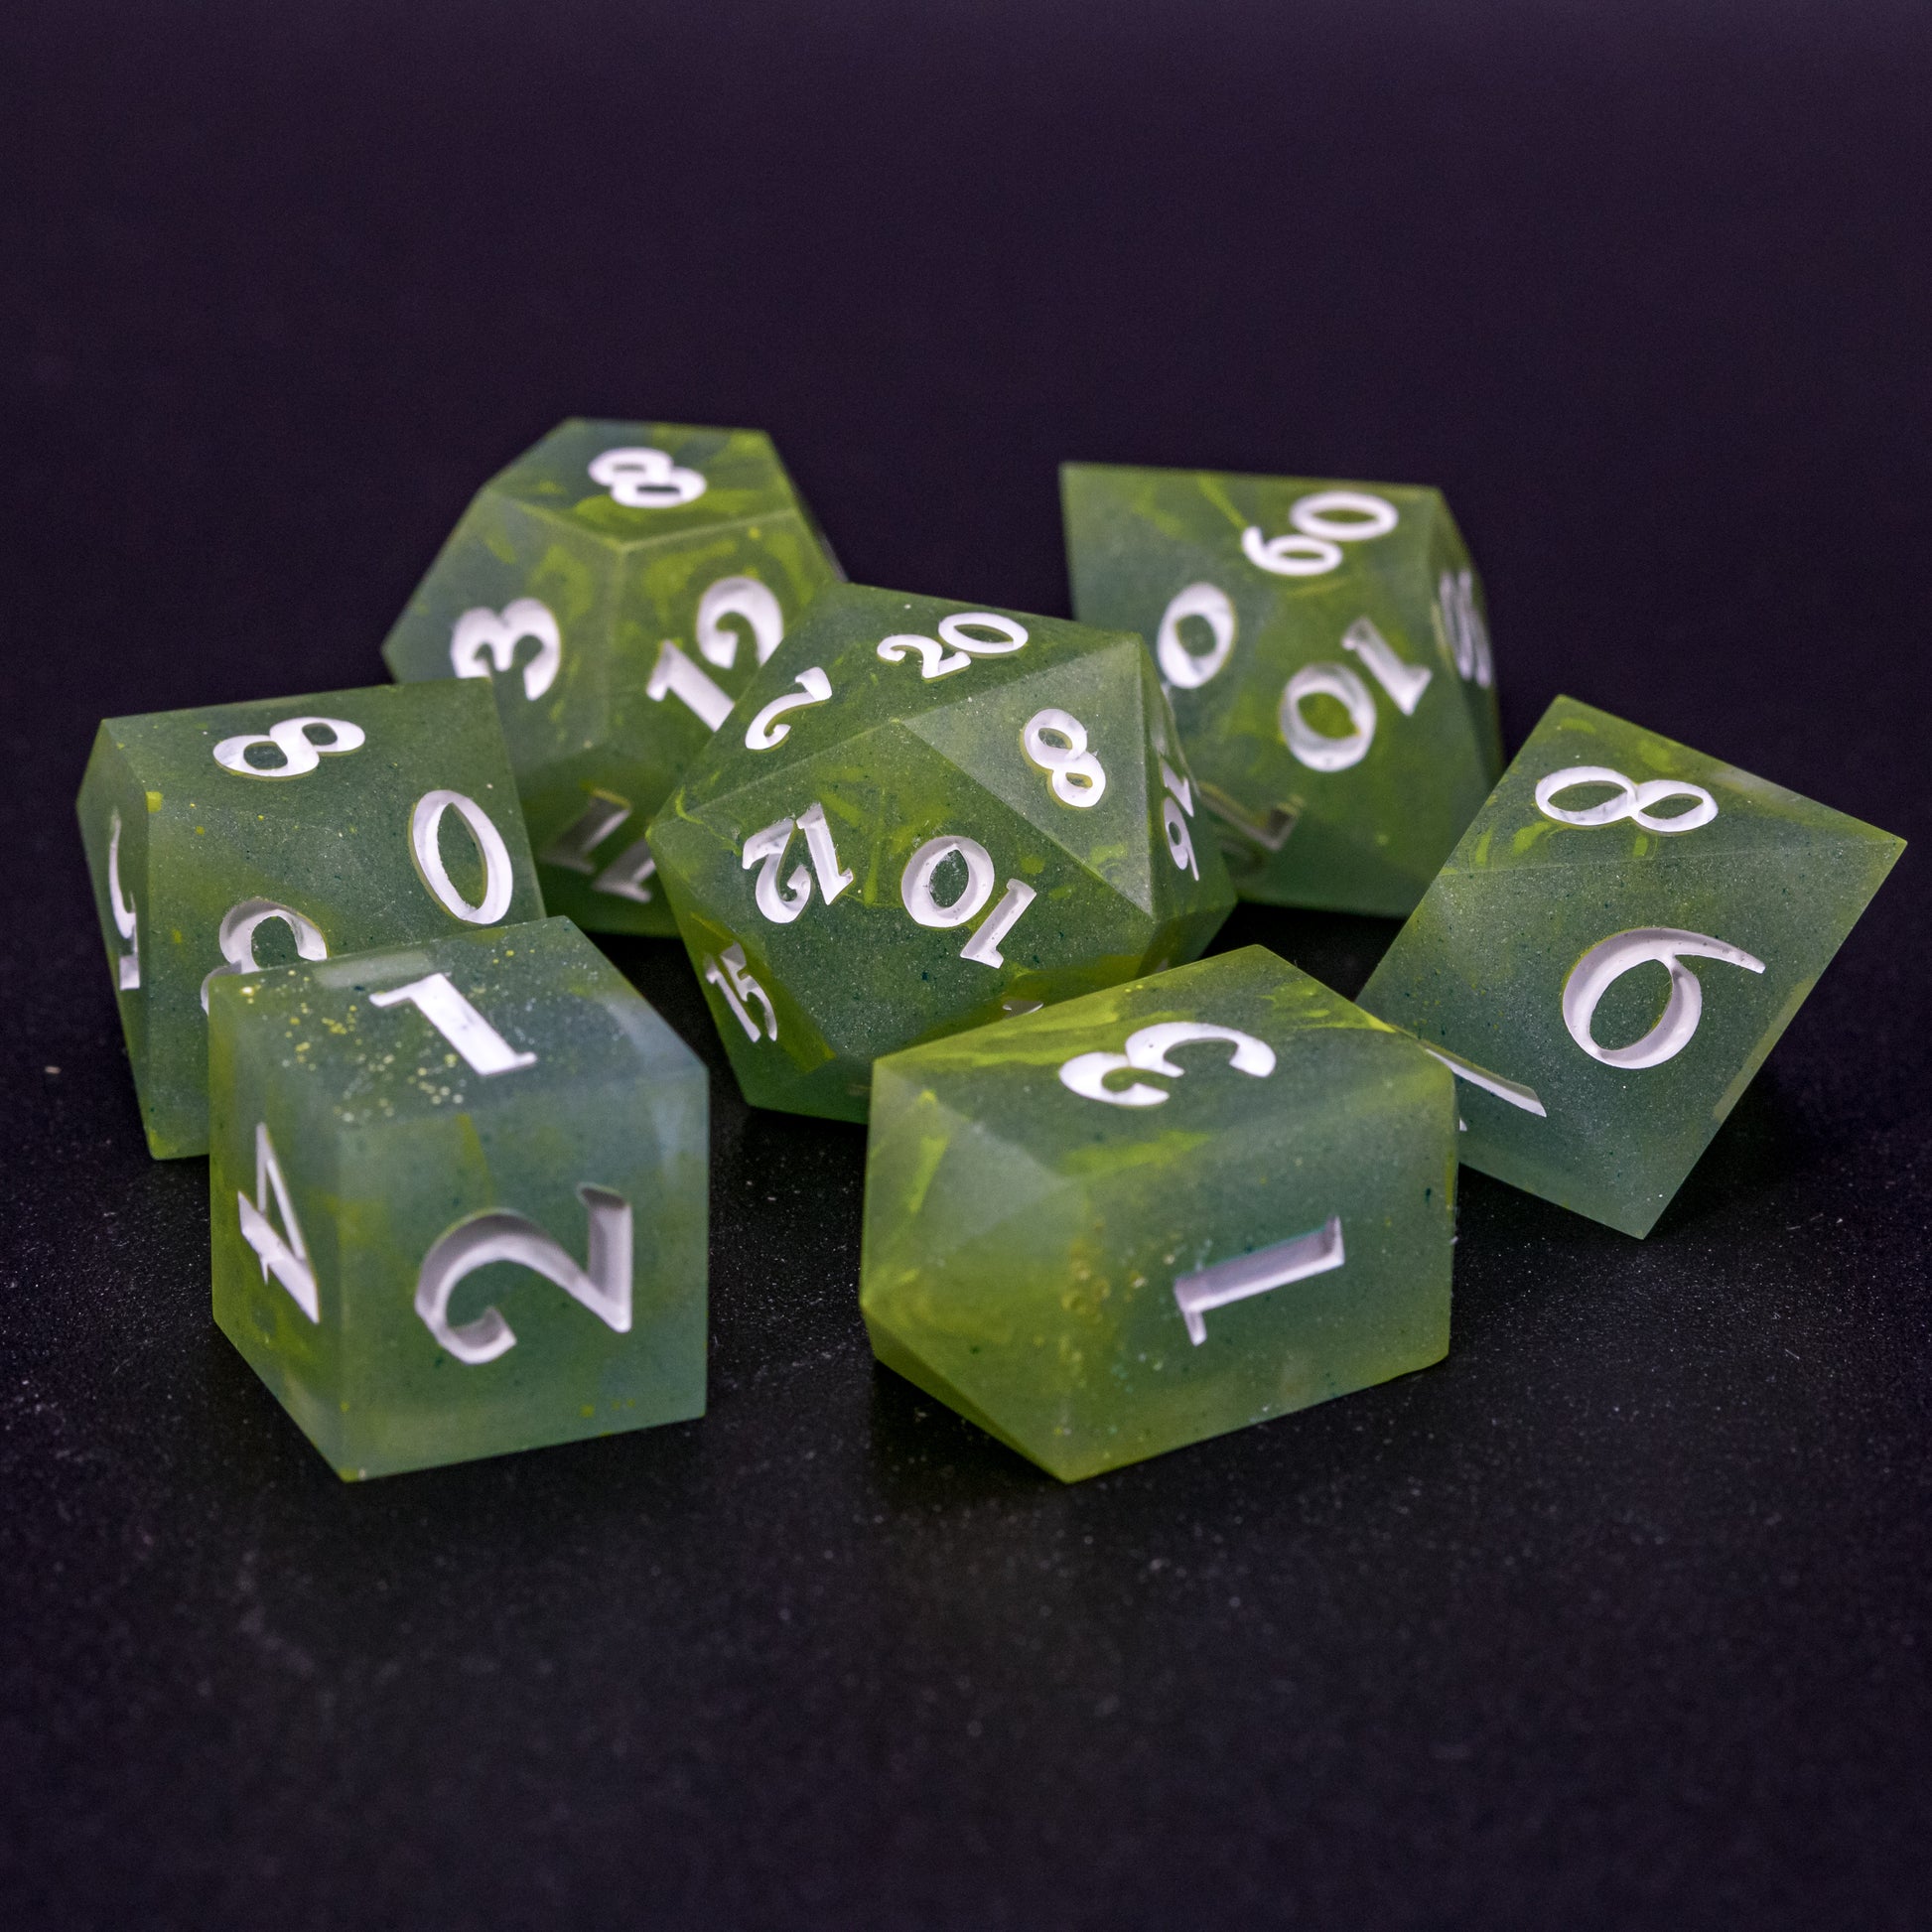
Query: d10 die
(1616, 943)
(1327, 653)
(1158, 1212)
(457, 1196)
(254, 834)
(619, 584)
(919, 817)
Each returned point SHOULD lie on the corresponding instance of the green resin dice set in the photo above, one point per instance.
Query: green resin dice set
(941, 867)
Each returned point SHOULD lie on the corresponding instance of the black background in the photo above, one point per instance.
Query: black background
(1617, 1617)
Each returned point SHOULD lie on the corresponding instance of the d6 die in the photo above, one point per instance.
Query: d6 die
(226, 838)
(458, 1196)
(1325, 649)
(1612, 949)
(617, 584)
(922, 815)
(1158, 1212)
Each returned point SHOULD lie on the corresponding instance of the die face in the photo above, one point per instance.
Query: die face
(1542, 958)
(905, 855)
(614, 620)
(248, 835)
(1158, 1212)
(1325, 648)
(432, 1132)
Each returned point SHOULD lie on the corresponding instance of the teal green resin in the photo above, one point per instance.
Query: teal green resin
(1023, 1241)
(594, 753)
(1367, 838)
(387, 1139)
(896, 760)
(332, 844)
(1481, 967)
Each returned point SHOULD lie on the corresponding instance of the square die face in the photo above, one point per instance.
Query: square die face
(459, 1199)
(1160, 1212)
(1612, 949)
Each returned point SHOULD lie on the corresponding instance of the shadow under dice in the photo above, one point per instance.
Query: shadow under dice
(458, 1196)
(617, 584)
(1612, 949)
(1327, 657)
(1160, 1212)
(248, 835)
(923, 816)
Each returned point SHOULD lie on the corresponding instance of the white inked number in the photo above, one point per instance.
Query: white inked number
(437, 998)
(1176, 810)
(749, 599)
(766, 850)
(499, 878)
(1517, 1095)
(935, 660)
(1212, 607)
(1317, 749)
(1633, 801)
(625, 875)
(916, 896)
(765, 731)
(983, 948)
(237, 938)
(675, 676)
(1405, 683)
(726, 973)
(1294, 1260)
(1147, 1052)
(128, 965)
(1609, 959)
(1075, 774)
(282, 1254)
(298, 752)
(645, 480)
(963, 630)
(484, 638)
(1323, 523)
(1464, 631)
(604, 1288)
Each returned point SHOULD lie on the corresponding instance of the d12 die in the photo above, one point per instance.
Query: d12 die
(1612, 949)
(921, 816)
(253, 834)
(457, 1196)
(619, 584)
(1158, 1212)
(1325, 649)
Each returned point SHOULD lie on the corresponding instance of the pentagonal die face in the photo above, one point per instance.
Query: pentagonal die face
(921, 816)
(248, 835)
(1327, 653)
(458, 1198)
(618, 586)
(1612, 949)
(1158, 1212)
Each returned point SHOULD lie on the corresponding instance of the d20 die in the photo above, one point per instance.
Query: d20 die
(1158, 1212)
(618, 585)
(920, 817)
(1612, 949)
(458, 1196)
(1327, 653)
(248, 835)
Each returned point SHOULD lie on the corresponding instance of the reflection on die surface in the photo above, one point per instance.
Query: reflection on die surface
(1326, 651)
(1614, 946)
(458, 1194)
(1160, 1212)
(224, 839)
(617, 584)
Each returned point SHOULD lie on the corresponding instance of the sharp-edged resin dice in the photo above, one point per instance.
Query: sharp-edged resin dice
(619, 584)
(922, 815)
(1612, 949)
(1160, 1212)
(248, 835)
(458, 1198)
(1327, 651)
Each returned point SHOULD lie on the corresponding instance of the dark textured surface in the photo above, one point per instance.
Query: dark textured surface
(1617, 1617)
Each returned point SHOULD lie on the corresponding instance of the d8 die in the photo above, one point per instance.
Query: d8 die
(458, 1197)
(1612, 949)
(1325, 649)
(619, 584)
(922, 815)
(1158, 1212)
(253, 834)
